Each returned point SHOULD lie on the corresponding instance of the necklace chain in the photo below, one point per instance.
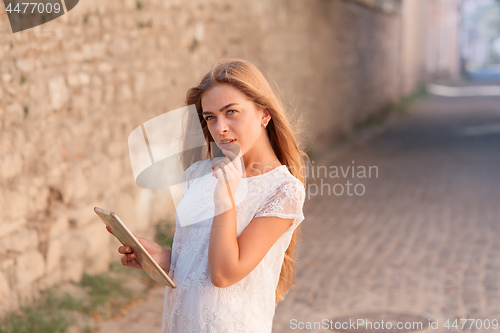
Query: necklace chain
(269, 165)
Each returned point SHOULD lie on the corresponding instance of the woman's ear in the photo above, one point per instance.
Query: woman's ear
(266, 116)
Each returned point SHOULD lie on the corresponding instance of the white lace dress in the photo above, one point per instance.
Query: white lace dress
(196, 305)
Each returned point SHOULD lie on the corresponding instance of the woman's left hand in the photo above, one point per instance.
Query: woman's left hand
(228, 171)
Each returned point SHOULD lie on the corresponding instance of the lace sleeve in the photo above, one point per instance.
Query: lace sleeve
(285, 202)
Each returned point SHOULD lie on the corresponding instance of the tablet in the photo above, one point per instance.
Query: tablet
(125, 237)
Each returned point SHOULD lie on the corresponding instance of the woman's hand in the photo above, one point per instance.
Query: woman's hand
(228, 172)
(160, 255)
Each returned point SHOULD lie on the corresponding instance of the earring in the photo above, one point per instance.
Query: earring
(264, 124)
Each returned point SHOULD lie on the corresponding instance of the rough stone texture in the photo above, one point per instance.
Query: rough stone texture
(72, 90)
(5, 293)
(19, 242)
(29, 267)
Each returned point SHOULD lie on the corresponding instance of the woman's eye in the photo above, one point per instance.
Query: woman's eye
(208, 117)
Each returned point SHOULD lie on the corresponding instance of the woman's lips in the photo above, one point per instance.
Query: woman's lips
(228, 144)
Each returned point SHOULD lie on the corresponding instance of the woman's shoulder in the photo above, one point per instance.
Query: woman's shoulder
(291, 185)
(282, 175)
(279, 179)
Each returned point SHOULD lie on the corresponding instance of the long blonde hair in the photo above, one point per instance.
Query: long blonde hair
(244, 76)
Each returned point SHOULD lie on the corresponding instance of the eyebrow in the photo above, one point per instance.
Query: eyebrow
(222, 109)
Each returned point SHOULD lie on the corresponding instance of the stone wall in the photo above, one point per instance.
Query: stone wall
(73, 89)
(430, 41)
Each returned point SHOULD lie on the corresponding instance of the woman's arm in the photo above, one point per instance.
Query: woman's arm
(231, 258)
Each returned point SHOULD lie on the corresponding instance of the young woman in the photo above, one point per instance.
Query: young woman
(233, 268)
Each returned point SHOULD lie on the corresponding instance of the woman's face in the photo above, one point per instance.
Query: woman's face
(230, 115)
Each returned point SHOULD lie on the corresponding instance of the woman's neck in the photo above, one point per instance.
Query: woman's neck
(260, 161)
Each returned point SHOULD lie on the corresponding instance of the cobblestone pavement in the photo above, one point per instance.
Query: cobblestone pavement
(422, 241)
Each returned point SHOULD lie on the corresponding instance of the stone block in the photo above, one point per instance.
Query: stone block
(125, 93)
(98, 256)
(38, 198)
(16, 205)
(6, 139)
(7, 266)
(109, 93)
(78, 79)
(19, 242)
(73, 271)
(9, 226)
(38, 91)
(51, 279)
(6, 77)
(29, 268)
(75, 56)
(10, 166)
(59, 92)
(140, 83)
(26, 295)
(54, 254)
(95, 50)
(4, 287)
(82, 216)
(75, 245)
(75, 186)
(116, 149)
(26, 65)
(60, 226)
(115, 169)
(14, 115)
(3, 208)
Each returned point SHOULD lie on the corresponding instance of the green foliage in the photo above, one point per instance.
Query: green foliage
(34, 320)
(194, 45)
(65, 302)
(142, 25)
(401, 106)
(407, 100)
(138, 5)
(103, 296)
(50, 315)
(164, 233)
(106, 295)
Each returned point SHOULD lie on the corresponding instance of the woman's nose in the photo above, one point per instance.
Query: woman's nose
(221, 126)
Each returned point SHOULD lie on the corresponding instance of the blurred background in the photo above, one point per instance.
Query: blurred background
(73, 89)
